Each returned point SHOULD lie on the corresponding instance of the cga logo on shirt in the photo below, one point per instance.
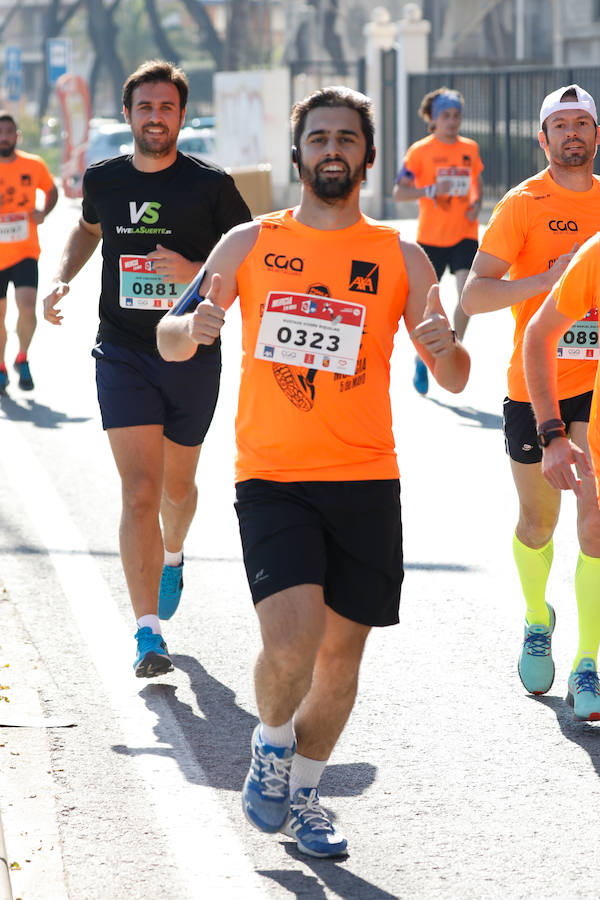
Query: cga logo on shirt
(364, 277)
(560, 225)
(147, 212)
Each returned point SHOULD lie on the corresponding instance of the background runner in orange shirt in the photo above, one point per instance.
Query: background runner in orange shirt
(317, 480)
(532, 233)
(443, 172)
(21, 176)
(567, 312)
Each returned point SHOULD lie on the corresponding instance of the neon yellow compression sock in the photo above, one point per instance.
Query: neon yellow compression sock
(587, 591)
(534, 567)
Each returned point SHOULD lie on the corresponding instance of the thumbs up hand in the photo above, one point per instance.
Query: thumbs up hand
(434, 332)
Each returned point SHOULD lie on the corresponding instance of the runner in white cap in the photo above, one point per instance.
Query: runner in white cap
(532, 234)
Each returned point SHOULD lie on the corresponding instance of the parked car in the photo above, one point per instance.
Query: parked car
(108, 140)
(198, 140)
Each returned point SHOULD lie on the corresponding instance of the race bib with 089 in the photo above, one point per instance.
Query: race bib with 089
(581, 340)
(140, 287)
(311, 330)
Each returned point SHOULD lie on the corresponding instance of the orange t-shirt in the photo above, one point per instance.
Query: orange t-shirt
(443, 221)
(533, 224)
(295, 423)
(19, 181)
(578, 291)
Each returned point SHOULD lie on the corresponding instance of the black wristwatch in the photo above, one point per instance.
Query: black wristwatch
(547, 431)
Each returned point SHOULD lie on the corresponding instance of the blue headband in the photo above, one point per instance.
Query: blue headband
(447, 100)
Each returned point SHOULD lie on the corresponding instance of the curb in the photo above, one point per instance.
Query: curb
(5, 886)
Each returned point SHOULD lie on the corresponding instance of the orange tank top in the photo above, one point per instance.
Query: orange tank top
(297, 423)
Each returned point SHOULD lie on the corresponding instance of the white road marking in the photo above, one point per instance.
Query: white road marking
(206, 849)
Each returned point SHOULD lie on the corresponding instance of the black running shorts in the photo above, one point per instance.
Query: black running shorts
(458, 256)
(345, 536)
(520, 433)
(22, 274)
(142, 389)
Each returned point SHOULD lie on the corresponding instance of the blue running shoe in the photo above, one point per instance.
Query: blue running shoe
(421, 377)
(25, 379)
(536, 666)
(266, 791)
(3, 380)
(309, 825)
(583, 693)
(152, 655)
(171, 586)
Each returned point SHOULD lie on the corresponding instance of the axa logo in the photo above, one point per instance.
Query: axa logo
(280, 261)
(147, 212)
(561, 225)
(364, 276)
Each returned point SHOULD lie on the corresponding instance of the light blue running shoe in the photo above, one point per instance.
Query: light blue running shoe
(421, 376)
(309, 825)
(171, 586)
(266, 791)
(583, 693)
(152, 655)
(3, 380)
(536, 666)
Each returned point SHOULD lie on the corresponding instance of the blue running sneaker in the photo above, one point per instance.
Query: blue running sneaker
(266, 791)
(584, 691)
(421, 377)
(152, 654)
(25, 379)
(3, 380)
(536, 666)
(171, 586)
(309, 825)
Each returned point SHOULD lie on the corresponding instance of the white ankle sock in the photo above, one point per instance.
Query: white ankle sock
(305, 772)
(150, 621)
(278, 735)
(173, 559)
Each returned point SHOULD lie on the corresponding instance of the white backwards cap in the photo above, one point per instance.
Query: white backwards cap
(552, 103)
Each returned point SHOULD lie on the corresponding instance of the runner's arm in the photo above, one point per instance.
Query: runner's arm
(486, 290)
(177, 336)
(80, 245)
(540, 363)
(428, 325)
(39, 215)
(474, 208)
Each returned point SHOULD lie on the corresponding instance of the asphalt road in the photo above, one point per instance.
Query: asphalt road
(449, 781)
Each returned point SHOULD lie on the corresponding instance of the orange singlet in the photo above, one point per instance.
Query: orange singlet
(443, 221)
(295, 423)
(536, 222)
(577, 291)
(19, 181)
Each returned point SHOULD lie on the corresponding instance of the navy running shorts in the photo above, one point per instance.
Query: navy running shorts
(459, 256)
(142, 389)
(519, 426)
(343, 535)
(22, 274)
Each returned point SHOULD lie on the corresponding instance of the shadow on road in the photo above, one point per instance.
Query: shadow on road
(474, 417)
(39, 415)
(340, 880)
(219, 738)
(585, 734)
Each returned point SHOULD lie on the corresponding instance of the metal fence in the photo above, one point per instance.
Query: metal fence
(502, 114)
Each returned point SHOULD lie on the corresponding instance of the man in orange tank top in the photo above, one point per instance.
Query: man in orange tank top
(533, 233)
(443, 172)
(322, 289)
(21, 176)
(564, 312)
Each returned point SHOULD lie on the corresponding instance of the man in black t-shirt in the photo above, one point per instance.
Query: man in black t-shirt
(158, 213)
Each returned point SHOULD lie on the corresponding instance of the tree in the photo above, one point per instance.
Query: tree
(103, 34)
